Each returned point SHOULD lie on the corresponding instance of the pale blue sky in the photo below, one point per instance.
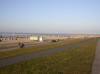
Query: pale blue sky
(50, 16)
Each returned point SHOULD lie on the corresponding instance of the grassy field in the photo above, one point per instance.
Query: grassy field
(76, 60)
(15, 45)
(6, 47)
(21, 51)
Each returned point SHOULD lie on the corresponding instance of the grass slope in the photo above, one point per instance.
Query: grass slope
(27, 50)
(6, 47)
(76, 60)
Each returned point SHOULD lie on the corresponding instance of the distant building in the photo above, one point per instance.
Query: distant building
(40, 38)
(36, 38)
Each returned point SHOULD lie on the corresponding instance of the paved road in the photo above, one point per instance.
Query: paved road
(38, 54)
(96, 62)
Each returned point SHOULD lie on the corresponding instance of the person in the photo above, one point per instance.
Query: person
(18, 43)
(22, 45)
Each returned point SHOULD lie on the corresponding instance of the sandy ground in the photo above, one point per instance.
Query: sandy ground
(47, 38)
(28, 41)
(13, 44)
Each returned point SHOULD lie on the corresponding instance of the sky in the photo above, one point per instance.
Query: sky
(50, 16)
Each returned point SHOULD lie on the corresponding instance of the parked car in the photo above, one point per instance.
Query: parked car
(54, 41)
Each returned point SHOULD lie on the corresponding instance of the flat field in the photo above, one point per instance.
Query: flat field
(27, 50)
(75, 60)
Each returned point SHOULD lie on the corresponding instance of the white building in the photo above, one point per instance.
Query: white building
(40, 38)
(36, 38)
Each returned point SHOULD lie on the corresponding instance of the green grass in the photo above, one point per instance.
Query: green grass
(76, 60)
(6, 47)
(27, 50)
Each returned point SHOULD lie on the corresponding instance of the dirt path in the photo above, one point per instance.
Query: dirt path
(96, 62)
(16, 59)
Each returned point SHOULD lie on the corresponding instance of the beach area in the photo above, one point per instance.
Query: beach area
(11, 40)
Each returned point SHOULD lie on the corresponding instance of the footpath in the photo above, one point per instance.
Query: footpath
(96, 62)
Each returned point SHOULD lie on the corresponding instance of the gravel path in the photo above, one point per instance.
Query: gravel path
(96, 62)
(16, 59)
